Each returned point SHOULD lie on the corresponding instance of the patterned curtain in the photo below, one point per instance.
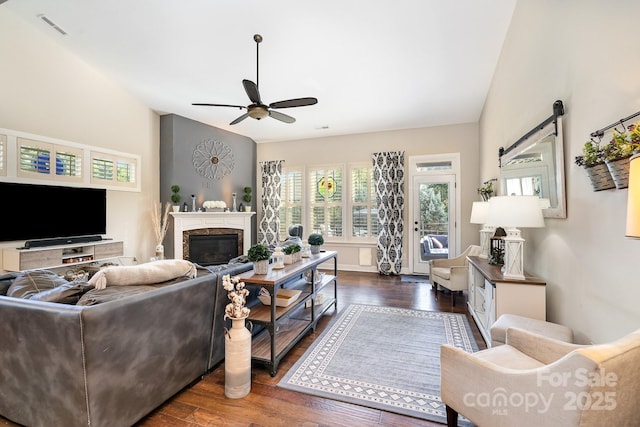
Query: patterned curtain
(388, 176)
(271, 183)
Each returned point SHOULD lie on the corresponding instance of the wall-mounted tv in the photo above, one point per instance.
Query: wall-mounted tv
(33, 211)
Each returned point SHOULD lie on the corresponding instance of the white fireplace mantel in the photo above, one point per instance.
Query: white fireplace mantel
(185, 221)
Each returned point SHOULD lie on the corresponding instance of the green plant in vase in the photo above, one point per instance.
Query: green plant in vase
(175, 197)
(315, 240)
(259, 254)
(247, 198)
(292, 253)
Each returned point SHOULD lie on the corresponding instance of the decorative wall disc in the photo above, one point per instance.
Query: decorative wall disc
(213, 159)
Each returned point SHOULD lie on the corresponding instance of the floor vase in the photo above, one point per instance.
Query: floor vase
(237, 360)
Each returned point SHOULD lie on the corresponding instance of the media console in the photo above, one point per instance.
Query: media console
(65, 255)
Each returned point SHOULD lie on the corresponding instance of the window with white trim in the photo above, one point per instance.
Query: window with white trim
(325, 199)
(113, 170)
(325, 188)
(40, 159)
(364, 213)
(292, 201)
(3, 155)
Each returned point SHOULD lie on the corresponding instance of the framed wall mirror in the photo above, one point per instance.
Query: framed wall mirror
(534, 165)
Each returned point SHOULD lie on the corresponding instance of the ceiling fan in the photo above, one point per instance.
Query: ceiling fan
(257, 109)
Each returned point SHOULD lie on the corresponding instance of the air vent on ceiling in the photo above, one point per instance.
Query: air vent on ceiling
(53, 24)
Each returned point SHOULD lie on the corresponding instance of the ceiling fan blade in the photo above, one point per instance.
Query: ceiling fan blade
(219, 105)
(298, 102)
(252, 91)
(282, 117)
(239, 119)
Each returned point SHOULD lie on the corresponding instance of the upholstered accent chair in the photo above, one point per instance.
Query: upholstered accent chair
(537, 381)
(452, 273)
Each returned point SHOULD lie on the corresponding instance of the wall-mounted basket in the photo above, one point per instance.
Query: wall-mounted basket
(619, 170)
(600, 176)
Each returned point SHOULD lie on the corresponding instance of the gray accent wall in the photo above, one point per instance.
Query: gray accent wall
(179, 138)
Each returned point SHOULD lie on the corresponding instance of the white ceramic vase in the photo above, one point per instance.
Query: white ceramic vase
(237, 360)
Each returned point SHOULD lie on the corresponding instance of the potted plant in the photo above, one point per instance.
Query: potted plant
(247, 198)
(592, 159)
(315, 240)
(486, 191)
(617, 154)
(292, 253)
(259, 254)
(175, 197)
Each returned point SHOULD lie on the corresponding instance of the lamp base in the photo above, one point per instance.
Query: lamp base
(513, 255)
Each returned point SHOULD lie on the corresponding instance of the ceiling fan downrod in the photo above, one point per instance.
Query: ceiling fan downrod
(258, 39)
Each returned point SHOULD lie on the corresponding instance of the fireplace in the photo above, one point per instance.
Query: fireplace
(211, 238)
(212, 246)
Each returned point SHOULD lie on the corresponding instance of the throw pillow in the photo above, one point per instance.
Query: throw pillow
(45, 285)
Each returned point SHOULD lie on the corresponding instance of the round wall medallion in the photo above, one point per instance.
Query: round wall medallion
(213, 159)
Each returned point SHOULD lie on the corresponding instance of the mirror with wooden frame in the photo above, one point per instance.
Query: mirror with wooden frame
(534, 165)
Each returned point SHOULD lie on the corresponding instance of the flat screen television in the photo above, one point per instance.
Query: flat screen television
(33, 211)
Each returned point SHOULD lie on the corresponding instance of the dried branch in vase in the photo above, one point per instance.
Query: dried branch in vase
(160, 221)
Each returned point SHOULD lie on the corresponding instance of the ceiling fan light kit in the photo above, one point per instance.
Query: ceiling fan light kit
(257, 110)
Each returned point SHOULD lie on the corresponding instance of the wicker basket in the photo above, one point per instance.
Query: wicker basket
(619, 170)
(600, 177)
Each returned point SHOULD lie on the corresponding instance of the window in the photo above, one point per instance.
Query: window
(325, 187)
(38, 158)
(3, 155)
(113, 170)
(291, 199)
(340, 205)
(364, 214)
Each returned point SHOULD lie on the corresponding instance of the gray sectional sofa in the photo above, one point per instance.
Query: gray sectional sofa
(111, 363)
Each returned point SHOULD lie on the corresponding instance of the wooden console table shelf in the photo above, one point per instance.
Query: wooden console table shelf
(491, 295)
(15, 259)
(285, 326)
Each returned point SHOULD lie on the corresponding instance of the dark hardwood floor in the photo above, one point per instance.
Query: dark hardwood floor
(204, 403)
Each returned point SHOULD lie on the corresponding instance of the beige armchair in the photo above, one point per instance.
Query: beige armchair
(452, 273)
(538, 381)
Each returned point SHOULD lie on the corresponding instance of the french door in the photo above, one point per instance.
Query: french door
(433, 219)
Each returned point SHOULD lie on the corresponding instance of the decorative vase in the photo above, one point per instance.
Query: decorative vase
(237, 359)
(261, 267)
(619, 170)
(159, 251)
(600, 177)
(176, 208)
(315, 249)
(234, 208)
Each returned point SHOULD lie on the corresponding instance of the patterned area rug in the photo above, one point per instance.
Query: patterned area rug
(382, 357)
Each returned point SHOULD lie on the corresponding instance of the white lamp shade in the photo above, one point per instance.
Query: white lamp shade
(515, 212)
(633, 198)
(479, 212)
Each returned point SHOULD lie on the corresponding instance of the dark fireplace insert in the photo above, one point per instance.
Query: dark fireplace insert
(212, 246)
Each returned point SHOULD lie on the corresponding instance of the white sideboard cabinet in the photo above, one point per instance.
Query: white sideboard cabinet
(491, 295)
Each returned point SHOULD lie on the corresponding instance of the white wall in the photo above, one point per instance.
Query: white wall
(359, 147)
(47, 91)
(584, 53)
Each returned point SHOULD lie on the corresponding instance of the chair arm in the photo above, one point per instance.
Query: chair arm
(491, 395)
(449, 262)
(544, 349)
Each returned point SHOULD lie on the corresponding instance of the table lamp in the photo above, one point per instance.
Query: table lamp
(512, 212)
(633, 198)
(479, 212)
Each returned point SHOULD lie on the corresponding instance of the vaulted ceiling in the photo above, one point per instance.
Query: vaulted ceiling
(373, 66)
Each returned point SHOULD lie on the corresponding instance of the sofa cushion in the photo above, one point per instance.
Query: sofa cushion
(144, 274)
(99, 296)
(5, 282)
(45, 285)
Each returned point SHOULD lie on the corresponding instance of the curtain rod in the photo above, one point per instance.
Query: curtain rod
(599, 133)
(558, 110)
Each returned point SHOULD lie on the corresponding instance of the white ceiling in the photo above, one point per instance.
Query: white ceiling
(373, 66)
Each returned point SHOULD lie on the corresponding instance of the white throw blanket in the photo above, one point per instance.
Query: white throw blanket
(143, 274)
